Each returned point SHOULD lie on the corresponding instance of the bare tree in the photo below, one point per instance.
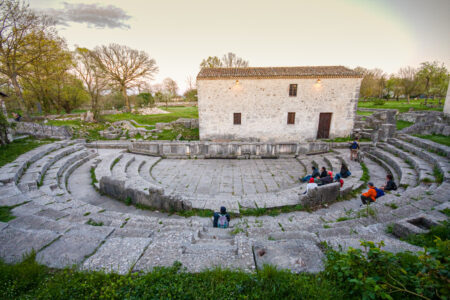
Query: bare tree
(230, 60)
(92, 76)
(170, 86)
(190, 83)
(125, 67)
(20, 31)
(408, 81)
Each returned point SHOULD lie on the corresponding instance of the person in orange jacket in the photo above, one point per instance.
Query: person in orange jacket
(370, 195)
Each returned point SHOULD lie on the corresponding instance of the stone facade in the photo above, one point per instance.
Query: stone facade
(264, 105)
(43, 131)
(447, 104)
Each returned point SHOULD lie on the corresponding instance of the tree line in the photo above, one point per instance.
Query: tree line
(430, 80)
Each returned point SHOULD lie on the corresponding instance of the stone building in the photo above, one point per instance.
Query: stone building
(277, 104)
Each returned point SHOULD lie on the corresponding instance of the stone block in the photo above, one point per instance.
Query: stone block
(16, 243)
(72, 248)
(295, 255)
(117, 255)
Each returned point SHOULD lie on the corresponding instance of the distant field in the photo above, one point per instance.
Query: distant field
(402, 105)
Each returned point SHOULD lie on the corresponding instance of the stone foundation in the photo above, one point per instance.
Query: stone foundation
(43, 131)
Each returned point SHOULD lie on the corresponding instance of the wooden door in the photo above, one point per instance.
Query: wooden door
(324, 126)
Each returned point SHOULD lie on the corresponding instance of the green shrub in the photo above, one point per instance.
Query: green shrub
(379, 102)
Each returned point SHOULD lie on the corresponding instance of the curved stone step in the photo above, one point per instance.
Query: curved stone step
(441, 162)
(11, 172)
(105, 166)
(426, 144)
(35, 172)
(408, 176)
(422, 167)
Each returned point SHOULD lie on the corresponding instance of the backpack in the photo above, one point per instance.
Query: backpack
(394, 186)
(379, 192)
(222, 222)
(354, 145)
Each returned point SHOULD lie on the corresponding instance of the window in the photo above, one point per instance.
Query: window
(292, 90)
(237, 118)
(291, 118)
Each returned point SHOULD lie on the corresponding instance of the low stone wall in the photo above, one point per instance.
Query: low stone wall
(321, 195)
(43, 131)
(426, 122)
(199, 149)
(184, 103)
(142, 192)
(379, 126)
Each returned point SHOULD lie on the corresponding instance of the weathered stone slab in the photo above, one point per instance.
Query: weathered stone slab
(36, 222)
(295, 255)
(132, 232)
(117, 255)
(14, 200)
(72, 248)
(391, 244)
(27, 209)
(3, 225)
(52, 214)
(15, 243)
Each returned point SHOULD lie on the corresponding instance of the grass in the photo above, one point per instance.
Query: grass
(5, 214)
(365, 176)
(402, 105)
(93, 177)
(93, 223)
(364, 113)
(175, 113)
(10, 152)
(438, 175)
(403, 124)
(440, 139)
(114, 163)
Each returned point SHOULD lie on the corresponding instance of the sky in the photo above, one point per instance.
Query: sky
(178, 34)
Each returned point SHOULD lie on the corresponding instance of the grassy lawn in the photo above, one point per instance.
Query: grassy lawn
(176, 112)
(11, 151)
(402, 105)
(441, 139)
(403, 124)
(364, 113)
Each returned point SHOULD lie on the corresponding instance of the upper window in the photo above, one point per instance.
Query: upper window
(237, 118)
(291, 118)
(292, 90)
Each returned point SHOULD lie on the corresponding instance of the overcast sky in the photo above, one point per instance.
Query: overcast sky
(178, 34)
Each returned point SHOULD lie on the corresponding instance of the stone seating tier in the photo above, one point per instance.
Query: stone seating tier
(59, 225)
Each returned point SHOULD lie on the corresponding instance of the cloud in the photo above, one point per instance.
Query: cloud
(95, 15)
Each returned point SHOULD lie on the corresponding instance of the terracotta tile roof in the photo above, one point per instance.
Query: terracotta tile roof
(278, 72)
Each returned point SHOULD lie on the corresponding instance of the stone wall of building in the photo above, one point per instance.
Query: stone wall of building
(265, 103)
(447, 104)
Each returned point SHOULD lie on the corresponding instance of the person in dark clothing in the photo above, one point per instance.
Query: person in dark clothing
(315, 173)
(17, 117)
(219, 218)
(390, 184)
(327, 179)
(344, 171)
(323, 172)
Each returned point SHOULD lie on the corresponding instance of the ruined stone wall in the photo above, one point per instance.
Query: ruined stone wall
(42, 131)
(447, 104)
(265, 103)
(204, 149)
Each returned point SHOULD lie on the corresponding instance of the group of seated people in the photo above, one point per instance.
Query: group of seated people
(325, 177)
(373, 193)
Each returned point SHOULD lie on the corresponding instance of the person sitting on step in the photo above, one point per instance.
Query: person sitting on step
(345, 172)
(323, 172)
(390, 184)
(315, 173)
(370, 195)
(327, 179)
(338, 178)
(311, 185)
(222, 219)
